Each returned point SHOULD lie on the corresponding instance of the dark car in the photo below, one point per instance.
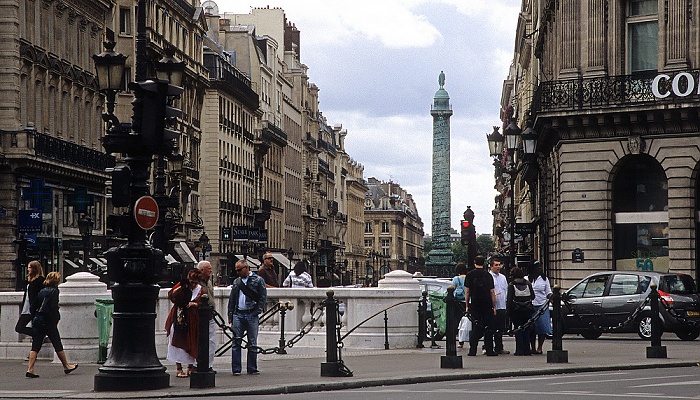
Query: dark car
(608, 299)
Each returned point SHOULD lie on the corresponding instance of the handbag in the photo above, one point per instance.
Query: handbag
(464, 329)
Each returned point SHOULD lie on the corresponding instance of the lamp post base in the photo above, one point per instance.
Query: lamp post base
(119, 380)
(451, 362)
(557, 357)
(656, 352)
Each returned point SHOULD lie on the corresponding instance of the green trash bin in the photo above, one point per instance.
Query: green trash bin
(439, 311)
(103, 311)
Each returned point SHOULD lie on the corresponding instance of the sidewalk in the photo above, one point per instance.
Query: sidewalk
(300, 370)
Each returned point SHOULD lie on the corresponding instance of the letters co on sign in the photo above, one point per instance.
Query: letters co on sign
(682, 84)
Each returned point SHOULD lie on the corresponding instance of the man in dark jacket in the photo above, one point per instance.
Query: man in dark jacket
(246, 302)
(481, 305)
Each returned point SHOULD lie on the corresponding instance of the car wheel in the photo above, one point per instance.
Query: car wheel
(591, 335)
(644, 326)
(688, 334)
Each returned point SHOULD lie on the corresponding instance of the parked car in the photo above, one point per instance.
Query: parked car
(606, 299)
(435, 320)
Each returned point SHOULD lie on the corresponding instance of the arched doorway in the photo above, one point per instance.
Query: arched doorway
(640, 215)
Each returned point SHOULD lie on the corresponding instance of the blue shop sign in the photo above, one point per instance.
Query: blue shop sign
(29, 221)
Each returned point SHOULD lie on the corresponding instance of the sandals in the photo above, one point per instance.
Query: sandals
(181, 374)
(190, 370)
(69, 370)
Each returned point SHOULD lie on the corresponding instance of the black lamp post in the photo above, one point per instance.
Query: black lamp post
(136, 266)
(85, 227)
(204, 244)
(512, 139)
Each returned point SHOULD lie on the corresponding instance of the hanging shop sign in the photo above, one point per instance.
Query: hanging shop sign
(683, 84)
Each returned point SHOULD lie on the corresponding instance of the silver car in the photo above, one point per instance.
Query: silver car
(608, 299)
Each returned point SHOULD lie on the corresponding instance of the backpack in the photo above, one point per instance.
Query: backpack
(459, 289)
(521, 298)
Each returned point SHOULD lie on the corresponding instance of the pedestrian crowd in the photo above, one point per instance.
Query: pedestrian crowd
(488, 300)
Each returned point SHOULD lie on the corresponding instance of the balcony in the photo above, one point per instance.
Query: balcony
(608, 92)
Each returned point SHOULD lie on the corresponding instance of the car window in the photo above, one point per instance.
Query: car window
(577, 291)
(623, 284)
(596, 286)
(677, 284)
(644, 283)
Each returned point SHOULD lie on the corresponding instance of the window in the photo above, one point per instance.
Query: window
(642, 35)
(368, 227)
(385, 247)
(624, 285)
(125, 21)
(591, 287)
(385, 227)
(368, 243)
(640, 206)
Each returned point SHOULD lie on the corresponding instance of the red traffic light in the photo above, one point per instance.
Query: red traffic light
(465, 224)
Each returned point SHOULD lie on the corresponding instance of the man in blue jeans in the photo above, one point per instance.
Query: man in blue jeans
(246, 302)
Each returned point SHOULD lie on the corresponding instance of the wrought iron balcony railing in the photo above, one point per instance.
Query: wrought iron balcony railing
(606, 92)
(61, 150)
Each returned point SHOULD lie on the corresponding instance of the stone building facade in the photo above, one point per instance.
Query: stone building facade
(393, 231)
(610, 88)
(50, 130)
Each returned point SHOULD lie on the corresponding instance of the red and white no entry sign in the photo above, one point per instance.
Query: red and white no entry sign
(146, 212)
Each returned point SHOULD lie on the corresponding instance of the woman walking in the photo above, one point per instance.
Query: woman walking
(45, 323)
(543, 291)
(33, 284)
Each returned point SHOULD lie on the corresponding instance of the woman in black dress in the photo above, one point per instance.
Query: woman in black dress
(45, 323)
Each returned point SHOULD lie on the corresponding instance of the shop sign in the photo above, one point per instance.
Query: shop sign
(683, 84)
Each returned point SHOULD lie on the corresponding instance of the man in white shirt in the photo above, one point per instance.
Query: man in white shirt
(500, 287)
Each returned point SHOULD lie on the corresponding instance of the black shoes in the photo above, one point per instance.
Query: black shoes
(69, 370)
(31, 375)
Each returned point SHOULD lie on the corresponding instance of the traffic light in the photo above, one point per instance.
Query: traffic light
(465, 232)
(121, 186)
(152, 114)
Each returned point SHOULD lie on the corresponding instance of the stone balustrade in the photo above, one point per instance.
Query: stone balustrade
(79, 333)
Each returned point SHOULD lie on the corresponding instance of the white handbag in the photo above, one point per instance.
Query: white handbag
(464, 328)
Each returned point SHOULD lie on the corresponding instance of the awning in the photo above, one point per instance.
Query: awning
(98, 262)
(70, 263)
(184, 253)
(170, 259)
(282, 260)
(249, 259)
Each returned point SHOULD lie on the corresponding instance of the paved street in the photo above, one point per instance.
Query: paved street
(665, 383)
(299, 371)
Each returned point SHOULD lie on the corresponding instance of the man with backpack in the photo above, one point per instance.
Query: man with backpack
(481, 306)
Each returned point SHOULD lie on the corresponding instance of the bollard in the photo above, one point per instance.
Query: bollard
(386, 331)
(451, 359)
(203, 377)
(656, 350)
(422, 318)
(283, 311)
(557, 354)
(333, 366)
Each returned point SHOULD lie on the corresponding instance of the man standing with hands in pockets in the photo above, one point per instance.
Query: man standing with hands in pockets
(246, 302)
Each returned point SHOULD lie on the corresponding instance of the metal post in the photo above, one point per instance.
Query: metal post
(513, 174)
(656, 350)
(333, 366)
(451, 359)
(386, 331)
(203, 377)
(557, 354)
(283, 311)
(422, 318)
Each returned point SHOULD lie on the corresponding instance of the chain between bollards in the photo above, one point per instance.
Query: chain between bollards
(656, 350)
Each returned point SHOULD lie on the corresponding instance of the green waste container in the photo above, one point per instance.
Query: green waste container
(103, 311)
(439, 310)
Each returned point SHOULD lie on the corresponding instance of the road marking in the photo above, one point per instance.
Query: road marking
(616, 380)
(686, 383)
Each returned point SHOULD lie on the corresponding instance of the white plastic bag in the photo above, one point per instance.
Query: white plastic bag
(464, 328)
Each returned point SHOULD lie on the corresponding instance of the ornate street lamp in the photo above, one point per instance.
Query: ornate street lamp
(85, 225)
(529, 141)
(170, 68)
(495, 140)
(204, 243)
(512, 134)
(110, 67)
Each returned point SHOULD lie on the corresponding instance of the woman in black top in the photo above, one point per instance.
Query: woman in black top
(45, 323)
(34, 283)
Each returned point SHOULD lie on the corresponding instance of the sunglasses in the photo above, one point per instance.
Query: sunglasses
(238, 269)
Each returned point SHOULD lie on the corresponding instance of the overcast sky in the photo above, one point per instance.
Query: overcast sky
(377, 63)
